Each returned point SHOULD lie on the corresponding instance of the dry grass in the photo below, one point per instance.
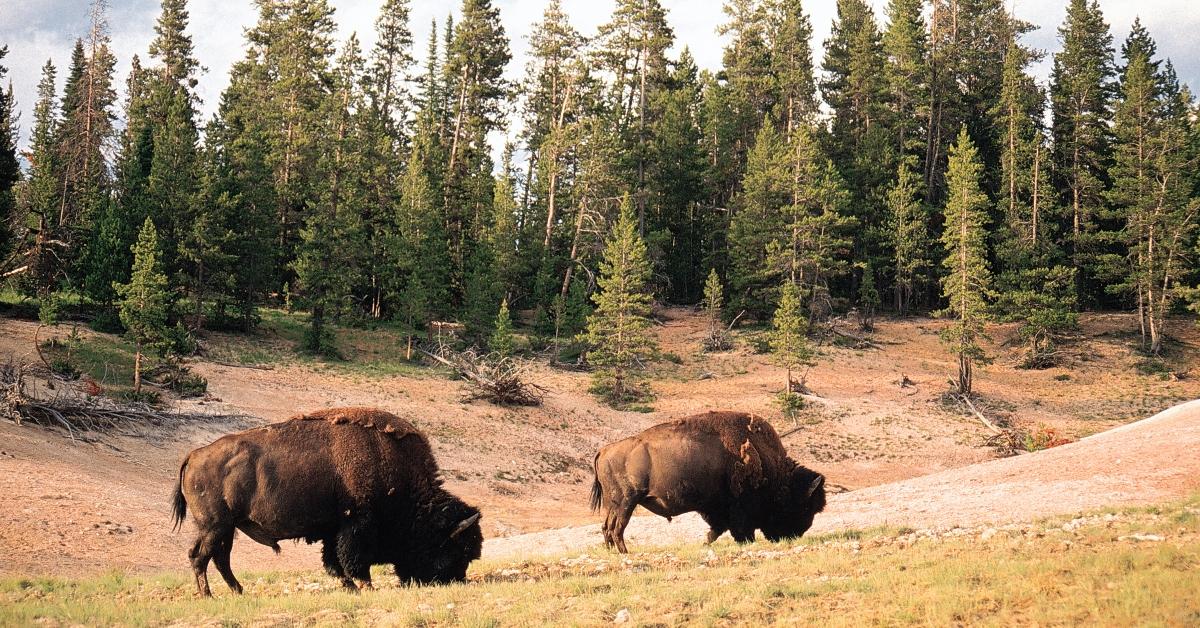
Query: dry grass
(1060, 571)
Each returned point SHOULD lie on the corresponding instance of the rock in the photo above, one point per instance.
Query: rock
(987, 534)
(1152, 538)
(622, 616)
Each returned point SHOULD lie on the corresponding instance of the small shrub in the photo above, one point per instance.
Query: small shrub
(790, 404)
(146, 396)
(1043, 437)
(1153, 366)
(1062, 377)
(62, 367)
(673, 358)
(718, 340)
(179, 341)
(107, 321)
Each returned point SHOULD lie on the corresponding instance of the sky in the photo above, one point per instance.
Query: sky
(37, 30)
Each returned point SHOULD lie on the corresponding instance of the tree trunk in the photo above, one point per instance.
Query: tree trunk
(137, 370)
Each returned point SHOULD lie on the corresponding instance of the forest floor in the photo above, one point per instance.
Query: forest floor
(76, 509)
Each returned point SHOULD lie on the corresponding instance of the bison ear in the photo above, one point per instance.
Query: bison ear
(466, 523)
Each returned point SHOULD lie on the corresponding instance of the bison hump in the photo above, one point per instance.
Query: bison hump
(367, 418)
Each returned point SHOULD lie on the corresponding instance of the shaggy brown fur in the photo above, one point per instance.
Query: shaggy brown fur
(731, 467)
(363, 482)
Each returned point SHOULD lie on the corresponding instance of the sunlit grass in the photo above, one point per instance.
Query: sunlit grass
(1087, 576)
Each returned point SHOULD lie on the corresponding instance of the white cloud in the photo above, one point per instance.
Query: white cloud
(35, 30)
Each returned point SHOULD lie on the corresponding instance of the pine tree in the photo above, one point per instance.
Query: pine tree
(10, 168)
(789, 334)
(288, 77)
(82, 138)
(240, 186)
(144, 302)
(618, 332)
(967, 283)
(475, 60)
(329, 259)
(1137, 123)
(1081, 92)
(908, 228)
(906, 47)
(1024, 235)
(868, 297)
(758, 222)
(501, 342)
(855, 89)
(816, 250)
(675, 187)
(714, 299)
(1150, 191)
(108, 254)
(631, 47)
(381, 123)
(790, 35)
(750, 91)
(44, 191)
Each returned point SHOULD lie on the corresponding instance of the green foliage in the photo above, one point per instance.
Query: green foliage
(966, 285)
(868, 297)
(790, 404)
(1081, 92)
(789, 333)
(501, 342)
(144, 302)
(10, 167)
(366, 188)
(908, 227)
(1043, 301)
(618, 331)
(714, 297)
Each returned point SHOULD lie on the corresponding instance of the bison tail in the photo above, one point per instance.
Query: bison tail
(597, 491)
(179, 505)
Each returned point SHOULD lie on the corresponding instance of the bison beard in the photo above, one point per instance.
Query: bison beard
(730, 467)
(362, 482)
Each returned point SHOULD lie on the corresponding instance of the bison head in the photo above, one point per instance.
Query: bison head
(797, 504)
(450, 538)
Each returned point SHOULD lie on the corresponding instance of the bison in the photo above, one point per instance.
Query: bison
(729, 466)
(361, 481)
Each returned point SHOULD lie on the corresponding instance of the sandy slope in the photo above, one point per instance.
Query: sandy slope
(1149, 461)
(78, 509)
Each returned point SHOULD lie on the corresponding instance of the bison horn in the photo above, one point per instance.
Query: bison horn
(816, 484)
(466, 523)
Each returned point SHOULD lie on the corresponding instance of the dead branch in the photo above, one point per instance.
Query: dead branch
(496, 379)
(991, 426)
(16, 271)
(257, 367)
(88, 418)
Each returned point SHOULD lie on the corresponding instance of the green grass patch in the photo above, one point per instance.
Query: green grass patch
(865, 577)
(368, 349)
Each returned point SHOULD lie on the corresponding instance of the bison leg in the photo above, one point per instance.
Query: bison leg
(740, 529)
(221, 551)
(621, 519)
(333, 565)
(716, 527)
(353, 552)
(202, 551)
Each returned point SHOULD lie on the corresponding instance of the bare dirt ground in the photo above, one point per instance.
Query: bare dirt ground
(71, 508)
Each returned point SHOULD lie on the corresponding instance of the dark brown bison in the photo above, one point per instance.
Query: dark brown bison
(362, 482)
(728, 466)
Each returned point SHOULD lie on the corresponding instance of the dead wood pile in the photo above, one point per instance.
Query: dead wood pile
(25, 399)
(499, 380)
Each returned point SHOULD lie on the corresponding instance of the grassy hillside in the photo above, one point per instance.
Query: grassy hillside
(1139, 566)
